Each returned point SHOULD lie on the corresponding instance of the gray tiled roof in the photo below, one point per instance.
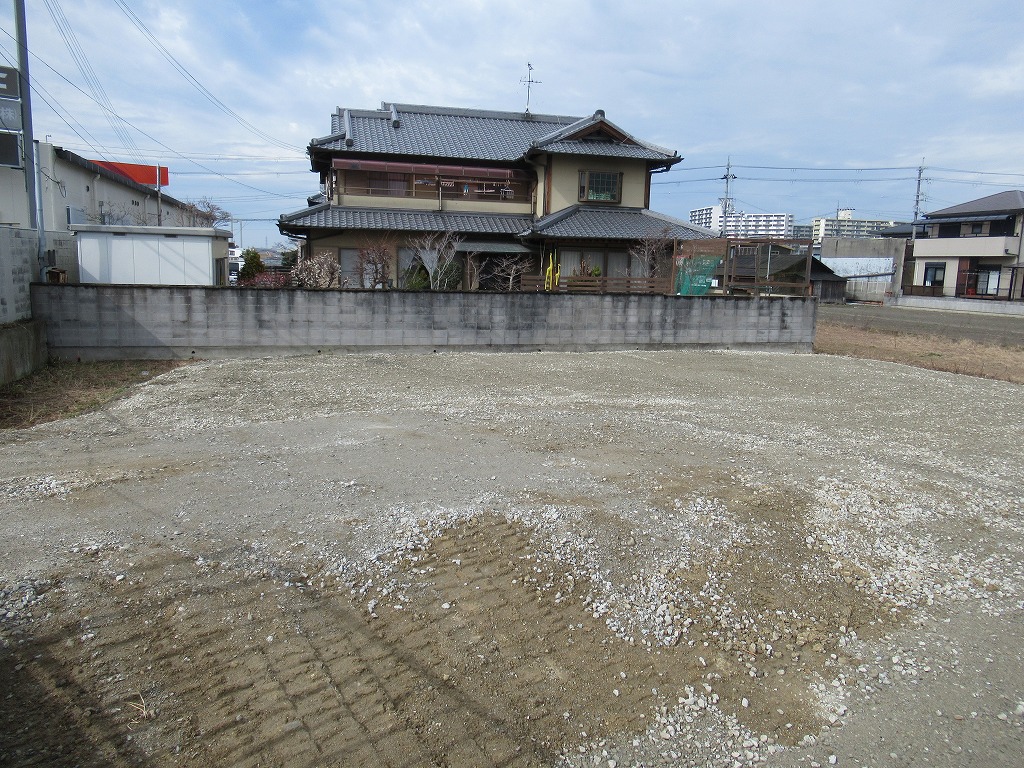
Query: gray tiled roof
(1002, 202)
(592, 222)
(446, 132)
(382, 219)
(615, 143)
(609, 149)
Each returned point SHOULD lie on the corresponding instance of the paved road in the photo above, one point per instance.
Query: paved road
(991, 329)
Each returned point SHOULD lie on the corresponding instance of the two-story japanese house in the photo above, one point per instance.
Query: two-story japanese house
(568, 191)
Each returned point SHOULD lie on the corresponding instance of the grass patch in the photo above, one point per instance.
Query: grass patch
(971, 358)
(65, 389)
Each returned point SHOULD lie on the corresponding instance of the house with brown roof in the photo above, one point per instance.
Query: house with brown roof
(971, 250)
(567, 193)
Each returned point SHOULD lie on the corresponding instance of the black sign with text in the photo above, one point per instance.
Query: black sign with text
(9, 83)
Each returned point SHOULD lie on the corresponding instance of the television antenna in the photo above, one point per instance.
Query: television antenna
(529, 82)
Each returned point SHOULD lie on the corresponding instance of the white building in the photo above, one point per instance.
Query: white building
(152, 255)
(711, 218)
(844, 225)
(740, 224)
(769, 225)
(74, 190)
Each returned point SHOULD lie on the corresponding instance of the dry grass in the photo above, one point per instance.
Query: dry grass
(971, 358)
(65, 389)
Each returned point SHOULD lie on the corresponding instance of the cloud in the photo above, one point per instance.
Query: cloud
(789, 83)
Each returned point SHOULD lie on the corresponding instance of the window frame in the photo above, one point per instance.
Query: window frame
(937, 269)
(587, 187)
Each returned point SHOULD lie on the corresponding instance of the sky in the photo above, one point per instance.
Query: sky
(815, 105)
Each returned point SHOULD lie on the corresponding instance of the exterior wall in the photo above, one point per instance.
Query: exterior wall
(861, 256)
(958, 305)
(22, 350)
(948, 283)
(867, 290)
(13, 200)
(938, 248)
(19, 266)
(120, 322)
(565, 180)
(65, 185)
(149, 255)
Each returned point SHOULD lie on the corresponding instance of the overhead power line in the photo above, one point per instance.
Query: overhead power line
(51, 101)
(67, 33)
(173, 152)
(183, 71)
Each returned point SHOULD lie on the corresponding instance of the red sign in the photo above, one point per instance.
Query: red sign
(140, 174)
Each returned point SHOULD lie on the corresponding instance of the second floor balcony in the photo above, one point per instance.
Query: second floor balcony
(968, 248)
(433, 187)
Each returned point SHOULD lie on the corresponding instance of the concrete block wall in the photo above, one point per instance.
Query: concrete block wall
(112, 322)
(18, 268)
(951, 304)
(22, 349)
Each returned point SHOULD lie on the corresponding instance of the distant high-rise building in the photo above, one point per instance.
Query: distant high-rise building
(740, 224)
(772, 225)
(844, 225)
(803, 231)
(710, 218)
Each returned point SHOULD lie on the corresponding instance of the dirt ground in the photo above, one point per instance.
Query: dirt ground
(631, 558)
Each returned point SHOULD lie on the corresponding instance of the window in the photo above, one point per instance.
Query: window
(1001, 227)
(949, 230)
(988, 281)
(934, 273)
(600, 186)
(348, 267)
(393, 184)
(976, 228)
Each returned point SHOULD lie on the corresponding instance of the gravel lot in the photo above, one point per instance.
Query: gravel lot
(632, 558)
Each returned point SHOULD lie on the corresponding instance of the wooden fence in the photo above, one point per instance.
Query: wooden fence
(588, 284)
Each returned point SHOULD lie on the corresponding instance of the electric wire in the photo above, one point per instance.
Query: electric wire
(189, 77)
(47, 98)
(172, 152)
(67, 33)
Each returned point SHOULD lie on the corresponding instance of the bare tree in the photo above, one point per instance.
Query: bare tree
(319, 270)
(649, 255)
(374, 264)
(118, 214)
(438, 253)
(202, 213)
(506, 271)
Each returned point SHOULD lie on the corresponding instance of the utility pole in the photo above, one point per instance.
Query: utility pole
(28, 140)
(896, 284)
(729, 176)
(727, 200)
(917, 200)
